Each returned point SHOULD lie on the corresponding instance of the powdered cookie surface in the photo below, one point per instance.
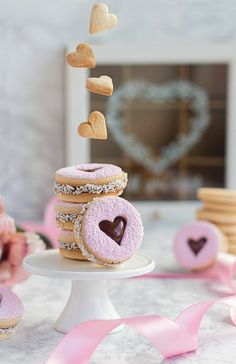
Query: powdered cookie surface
(82, 183)
(108, 231)
(11, 310)
(197, 244)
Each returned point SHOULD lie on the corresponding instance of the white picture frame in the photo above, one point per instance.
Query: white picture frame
(77, 97)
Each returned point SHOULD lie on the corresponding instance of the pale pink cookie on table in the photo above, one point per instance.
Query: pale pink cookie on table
(100, 19)
(197, 244)
(11, 311)
(83, 182)
(109, 230)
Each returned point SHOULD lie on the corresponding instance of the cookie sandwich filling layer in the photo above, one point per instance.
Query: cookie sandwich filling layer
(61, 217)
(78, 232)
(113, 186)
(68, 246)
(8, 330)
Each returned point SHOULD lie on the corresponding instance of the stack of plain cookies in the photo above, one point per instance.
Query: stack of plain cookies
(219, 207)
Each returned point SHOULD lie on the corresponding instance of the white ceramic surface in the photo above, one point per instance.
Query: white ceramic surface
(51, 264)
(89, 298)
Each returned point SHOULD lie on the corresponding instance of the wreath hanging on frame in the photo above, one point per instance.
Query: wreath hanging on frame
(148, 92)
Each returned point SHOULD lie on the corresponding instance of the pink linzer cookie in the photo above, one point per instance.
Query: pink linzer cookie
(108, 230)
(197, 244)
(83, 182)
(11, 310)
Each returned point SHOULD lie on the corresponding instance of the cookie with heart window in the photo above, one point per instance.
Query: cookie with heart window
(108, 230)
(197, 244)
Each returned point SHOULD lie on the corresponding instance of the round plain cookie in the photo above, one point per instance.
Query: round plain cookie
(11, 311)
(67, 213)
(109, 230)
(227, 229)
(68, 246)
(217, 207)
(216, 217)
(84, 182)
(197, 244)
(217, 195)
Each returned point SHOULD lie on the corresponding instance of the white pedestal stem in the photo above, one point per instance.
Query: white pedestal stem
(88, 300)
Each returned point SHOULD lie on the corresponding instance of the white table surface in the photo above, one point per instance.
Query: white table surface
(44, 299)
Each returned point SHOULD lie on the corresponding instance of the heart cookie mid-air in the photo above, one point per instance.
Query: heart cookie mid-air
(100, 85)
(94, 128)
(100, 19)
(83, 57)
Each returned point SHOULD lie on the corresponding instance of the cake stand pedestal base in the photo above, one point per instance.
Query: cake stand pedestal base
(89, 297)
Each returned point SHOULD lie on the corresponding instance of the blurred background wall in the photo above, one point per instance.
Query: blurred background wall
(33, 35)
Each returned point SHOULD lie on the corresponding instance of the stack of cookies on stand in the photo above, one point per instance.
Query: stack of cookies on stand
(219, 207)
(95, 223)
(75, 186)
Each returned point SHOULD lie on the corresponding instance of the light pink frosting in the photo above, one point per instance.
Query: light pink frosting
(65, 204)
(7, 224)
(206, 255)
(100, 244)
(78, 171)
(10, 305)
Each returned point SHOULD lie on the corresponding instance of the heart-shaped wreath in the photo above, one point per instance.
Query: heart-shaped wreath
(148, 92)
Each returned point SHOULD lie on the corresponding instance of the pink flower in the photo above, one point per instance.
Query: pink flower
(13, 249)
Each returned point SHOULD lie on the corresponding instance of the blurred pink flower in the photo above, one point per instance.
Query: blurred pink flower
(13, 249)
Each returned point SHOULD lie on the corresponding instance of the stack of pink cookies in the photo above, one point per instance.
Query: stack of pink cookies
(95, 224)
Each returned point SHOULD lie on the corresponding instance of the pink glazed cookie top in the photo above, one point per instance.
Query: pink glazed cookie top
(91, 171)
(112, 228)
(197, 244)
(10, 305)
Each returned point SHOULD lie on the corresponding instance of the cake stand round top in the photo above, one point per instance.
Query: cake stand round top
(51, 264)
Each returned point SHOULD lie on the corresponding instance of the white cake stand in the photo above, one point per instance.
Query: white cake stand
(89, 298)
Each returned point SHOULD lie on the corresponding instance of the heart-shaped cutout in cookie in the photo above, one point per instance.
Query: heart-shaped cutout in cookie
(197, 245)
(100, 85)
(95, 127)
(100, 19)
(115, 230)
(83, 57)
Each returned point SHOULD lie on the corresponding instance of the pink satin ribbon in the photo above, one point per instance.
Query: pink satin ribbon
(48, 227)
(222, 271)
(169, 337)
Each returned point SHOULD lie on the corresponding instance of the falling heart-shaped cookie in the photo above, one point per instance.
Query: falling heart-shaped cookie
(83, 57)
(100, 85)
(100, 19)
(95, 127)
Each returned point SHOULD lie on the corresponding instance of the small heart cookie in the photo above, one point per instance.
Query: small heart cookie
(100, 19)
(94, 128)
(102, 85)
(83, 57)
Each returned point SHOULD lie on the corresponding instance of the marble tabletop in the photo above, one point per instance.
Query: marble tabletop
(44, 299)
